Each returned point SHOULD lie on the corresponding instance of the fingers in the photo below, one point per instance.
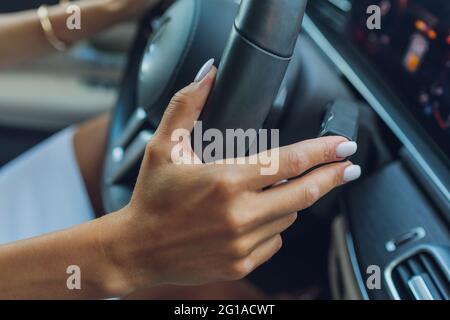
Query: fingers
(185, 107)
(265, 252)
(256, 258)
(296, 159)
(269, 230)
(302, 193)
(249, 240)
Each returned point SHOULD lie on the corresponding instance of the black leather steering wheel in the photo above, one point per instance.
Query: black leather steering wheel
(167, 52)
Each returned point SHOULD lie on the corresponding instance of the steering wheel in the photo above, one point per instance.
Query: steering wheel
(171, 46)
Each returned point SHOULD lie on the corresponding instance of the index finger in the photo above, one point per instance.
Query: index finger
(186, 106)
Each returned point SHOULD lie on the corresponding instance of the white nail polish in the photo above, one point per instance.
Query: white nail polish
(204, 70)
(352, 173)
(346, 149)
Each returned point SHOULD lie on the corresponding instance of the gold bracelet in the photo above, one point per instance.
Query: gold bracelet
(49, 32)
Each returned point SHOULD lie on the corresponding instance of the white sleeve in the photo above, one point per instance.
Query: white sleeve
(43, 191)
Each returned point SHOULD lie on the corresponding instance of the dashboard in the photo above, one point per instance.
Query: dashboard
(407, 58)
(412, 51)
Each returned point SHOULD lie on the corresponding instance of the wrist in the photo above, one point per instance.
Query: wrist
(115, 281)
(119, 242)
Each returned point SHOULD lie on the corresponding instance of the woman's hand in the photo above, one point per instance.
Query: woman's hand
(196, 224)
(186, 224)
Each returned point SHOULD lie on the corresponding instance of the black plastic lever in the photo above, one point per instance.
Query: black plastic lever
(341, 119)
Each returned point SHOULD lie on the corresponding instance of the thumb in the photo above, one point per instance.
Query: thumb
(187, 104)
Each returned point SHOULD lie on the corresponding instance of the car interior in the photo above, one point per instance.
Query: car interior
(387, 88)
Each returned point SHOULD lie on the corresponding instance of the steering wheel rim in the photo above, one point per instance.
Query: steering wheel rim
(173, 46)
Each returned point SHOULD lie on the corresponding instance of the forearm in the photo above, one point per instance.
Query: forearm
(36, 268)
(22, 37)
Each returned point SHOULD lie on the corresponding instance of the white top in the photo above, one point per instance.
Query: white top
(42, 191)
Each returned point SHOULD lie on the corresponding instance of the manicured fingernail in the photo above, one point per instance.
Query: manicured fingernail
(204, 70)
(346, 149)
(352, 173)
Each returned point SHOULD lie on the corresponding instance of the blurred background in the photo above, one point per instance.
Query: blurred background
(42, 97)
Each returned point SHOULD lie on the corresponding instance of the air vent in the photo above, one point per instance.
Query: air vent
(420, 277)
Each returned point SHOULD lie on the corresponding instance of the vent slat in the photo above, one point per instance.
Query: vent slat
(435, 273)
(402, 275)
(415, 266)
(425, 267)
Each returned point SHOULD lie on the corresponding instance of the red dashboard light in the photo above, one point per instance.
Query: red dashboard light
(448, 40)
